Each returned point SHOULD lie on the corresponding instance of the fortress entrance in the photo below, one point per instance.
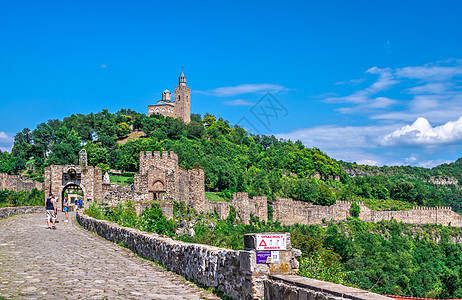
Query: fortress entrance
(73, 193)
(86, 181)
(158, 189)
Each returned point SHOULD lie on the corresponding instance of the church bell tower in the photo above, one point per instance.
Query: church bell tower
(183, 100)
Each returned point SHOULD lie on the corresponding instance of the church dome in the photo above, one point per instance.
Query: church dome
(166, 91)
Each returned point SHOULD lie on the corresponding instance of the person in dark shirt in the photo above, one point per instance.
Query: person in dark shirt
(50, 206)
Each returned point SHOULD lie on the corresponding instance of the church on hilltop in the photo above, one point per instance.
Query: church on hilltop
(180, 108)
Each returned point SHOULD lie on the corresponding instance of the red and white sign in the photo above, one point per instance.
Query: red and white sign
(271, 241)
(89, 193)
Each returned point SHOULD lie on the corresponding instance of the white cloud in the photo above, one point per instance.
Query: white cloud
(436, 95)
(431, 88)
(351, 82)
(6, 141)
(386, 80)
(349, 143)
(239, 102)
(432, 72)
(230, 91)
(416, 160)
(421, 133)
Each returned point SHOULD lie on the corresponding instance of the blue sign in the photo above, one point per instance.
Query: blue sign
(263, 257)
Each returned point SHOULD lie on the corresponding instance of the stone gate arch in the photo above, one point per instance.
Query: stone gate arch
(88, 178)
(157, 188)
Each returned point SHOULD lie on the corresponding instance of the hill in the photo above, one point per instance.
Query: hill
(233, 160)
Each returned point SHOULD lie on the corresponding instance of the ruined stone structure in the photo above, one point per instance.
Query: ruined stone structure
(161, 178)
(59, 178)
(179, 108)
(16, 183)
(290, 212)
(244, 206)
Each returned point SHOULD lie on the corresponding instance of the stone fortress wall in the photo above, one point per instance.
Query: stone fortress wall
(16, 183)
(289, 212)
(160, 174)
(161, 178)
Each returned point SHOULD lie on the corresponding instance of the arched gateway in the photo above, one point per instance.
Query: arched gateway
(87, 178)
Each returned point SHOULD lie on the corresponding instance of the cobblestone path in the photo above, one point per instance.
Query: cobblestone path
(72, 263)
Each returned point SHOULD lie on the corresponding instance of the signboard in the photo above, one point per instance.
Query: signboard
(271, 241)
(89, 193)
(267, 257)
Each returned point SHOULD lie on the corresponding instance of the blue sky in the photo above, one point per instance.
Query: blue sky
(376, 82)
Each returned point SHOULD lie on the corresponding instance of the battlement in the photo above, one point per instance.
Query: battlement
(436, 208)
(158, 155)
(162, 160)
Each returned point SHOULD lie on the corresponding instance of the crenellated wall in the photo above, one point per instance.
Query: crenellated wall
(289, 212)
(16, 183)
(160, 175)
(244, 206)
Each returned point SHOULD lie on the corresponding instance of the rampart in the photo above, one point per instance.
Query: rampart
(244, 206)
(235, 273)
(289, 212)
(5, 212)
(16, 183)
(160, 178)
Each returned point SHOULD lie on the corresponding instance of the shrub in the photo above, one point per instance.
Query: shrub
(355, 210)
(322, 266)
(153, 220)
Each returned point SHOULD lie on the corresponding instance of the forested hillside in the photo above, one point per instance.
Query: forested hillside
(233, 160)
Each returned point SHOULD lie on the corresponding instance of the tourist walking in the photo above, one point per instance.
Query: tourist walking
(50, 206)
(66, 208)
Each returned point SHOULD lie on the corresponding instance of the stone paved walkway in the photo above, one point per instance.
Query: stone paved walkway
(72, 263)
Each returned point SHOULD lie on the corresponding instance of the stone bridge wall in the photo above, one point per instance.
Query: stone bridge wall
(296, 287)
(16, 183)
(5, 212)
(235, 273)
(207, 265)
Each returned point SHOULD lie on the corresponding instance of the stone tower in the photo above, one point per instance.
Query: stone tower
(183, 100)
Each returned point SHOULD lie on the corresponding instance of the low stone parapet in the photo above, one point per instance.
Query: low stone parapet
(302, 288)
(5, 212)
(238, 274)
(210, 266)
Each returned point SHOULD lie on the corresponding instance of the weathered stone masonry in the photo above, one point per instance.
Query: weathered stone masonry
(6, 212)
(160, 177)
(290, 212)
(235, 273)
(16, 183)
(89, 179)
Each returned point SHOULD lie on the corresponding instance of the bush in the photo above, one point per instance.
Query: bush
(355, 210)
(153, 220)
(322, 266)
